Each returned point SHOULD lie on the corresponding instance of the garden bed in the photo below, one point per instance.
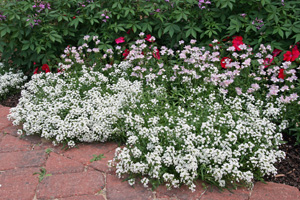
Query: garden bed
(288, 169)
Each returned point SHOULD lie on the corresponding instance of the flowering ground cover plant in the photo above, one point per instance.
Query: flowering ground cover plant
(215, 114)
(10, 82)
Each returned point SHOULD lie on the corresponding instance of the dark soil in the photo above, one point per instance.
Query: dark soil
(11, 100)
(288, 169)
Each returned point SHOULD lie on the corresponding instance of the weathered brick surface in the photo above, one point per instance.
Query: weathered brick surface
(57, 164)
(213, 193)
(10, 143)
(85, 197)
(2, 135)
(18, 184)
(182, 193)
(116, 190)
(4, 122)
(11, 130)
(68, 185)
(4, 111)
(22, 159)
(101, 165)
(84, 153)
(272, 191)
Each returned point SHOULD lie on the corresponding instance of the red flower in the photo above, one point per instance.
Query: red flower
(126, 53)
(34, 63)
(74, 17)
(276, 52)
(268, 61)
(237, 41)
(210, 45)
(156, 54)
(120, 40)
(45, 68)
(223, 62)
(148, 38)
(129, 30)
(281, 74)
(291, 56)
(36, 70)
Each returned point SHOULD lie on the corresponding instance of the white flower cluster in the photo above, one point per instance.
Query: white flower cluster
(10, 81)
(222, 137)
(83, 109)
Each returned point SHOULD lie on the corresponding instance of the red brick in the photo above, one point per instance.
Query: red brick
(214, 193)
(10, 143)
(102, 165)
(272, 191)
(18, 184)
(68, 185)
(4, 122)
(12, 130)
(116, 190)
(180, 193)
(57, 164)
(22, 159)
(4, 111)
(84, 153)
(85, 197)
(2, 135)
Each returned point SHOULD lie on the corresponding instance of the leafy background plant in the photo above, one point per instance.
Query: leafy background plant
(259, 21)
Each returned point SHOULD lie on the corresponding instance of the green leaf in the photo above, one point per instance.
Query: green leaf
(25, 47)
(297, 38)
(97, 157)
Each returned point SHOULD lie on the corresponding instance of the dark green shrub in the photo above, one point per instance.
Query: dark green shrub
(22, 43)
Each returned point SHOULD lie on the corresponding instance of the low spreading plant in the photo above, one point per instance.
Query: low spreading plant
(69, 109)
(215, 114)
(10, 82)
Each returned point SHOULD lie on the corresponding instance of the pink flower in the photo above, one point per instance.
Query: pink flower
(156, 54)
(120, 40)
(45, 68)
(225, 61)
(237, 41)
(281, 74)
(291, 56)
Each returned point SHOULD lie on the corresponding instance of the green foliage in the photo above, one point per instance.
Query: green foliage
(42, 174)
(48, 151)
(97, 157)
(259, 21)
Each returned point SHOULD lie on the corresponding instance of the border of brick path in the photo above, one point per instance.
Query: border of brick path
(74, 177)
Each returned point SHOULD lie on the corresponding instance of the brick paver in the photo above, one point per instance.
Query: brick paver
(116, 190)
(10, 144)
(74, 177)
(272, 191)
(66, 185)
(85, 197)
(58, 164)
(183, 193)
(18, 184)
(11, 160)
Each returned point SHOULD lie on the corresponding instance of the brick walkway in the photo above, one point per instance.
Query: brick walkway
(74, 177)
